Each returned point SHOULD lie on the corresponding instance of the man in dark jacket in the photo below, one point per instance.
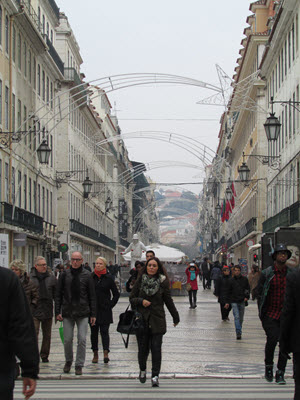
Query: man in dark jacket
(75, 304)
(270, 293)
(239, 293)
(17, 337)
(222, 292)
(290, 325)
(43, 313)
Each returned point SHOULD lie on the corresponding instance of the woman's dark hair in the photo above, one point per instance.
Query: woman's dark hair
(161, 269)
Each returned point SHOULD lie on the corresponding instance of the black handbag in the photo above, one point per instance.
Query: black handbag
(131, 322)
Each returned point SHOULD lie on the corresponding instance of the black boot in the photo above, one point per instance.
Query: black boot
(269, 373)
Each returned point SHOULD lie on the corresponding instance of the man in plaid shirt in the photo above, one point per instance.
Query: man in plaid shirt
(270, 296)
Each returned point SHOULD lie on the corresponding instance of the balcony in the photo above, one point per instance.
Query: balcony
(287, 217)
(22, 218)
(71, 75)
(124, 242)
(91, 233)
(53, 53)
(249, 227)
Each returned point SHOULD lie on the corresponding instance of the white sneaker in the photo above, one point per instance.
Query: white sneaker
(154, 381)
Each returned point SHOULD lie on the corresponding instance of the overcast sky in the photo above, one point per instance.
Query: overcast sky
(186, 38)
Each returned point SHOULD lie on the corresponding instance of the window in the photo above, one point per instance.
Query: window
(34, 73)
(25, 58)
(19, 116)
(39, 18)
(0, 26)
(289, 49)
(6, 34)
(29, 195)
(51, 36)
(25, 191)
(51, 94)
(6, 187)
(47, 29)
(293, 41)
(43, 27)
(19, 190)
(47, 91)
(14, 44)
(290, 121)
(19, 51)
(13, 184)
(43, 85)
(13, 112)
(39, 200)
(34, 197)
(29, 66)
(25, 124)
(39, 79)
(51, 208)
(0, 101)
(43, 202)
(51, 154)
(6, 109)
(47, 205)
(285, 58)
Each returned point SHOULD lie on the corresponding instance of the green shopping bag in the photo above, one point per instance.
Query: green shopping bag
(61, 332)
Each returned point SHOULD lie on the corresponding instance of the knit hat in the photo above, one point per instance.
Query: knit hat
(225, 267)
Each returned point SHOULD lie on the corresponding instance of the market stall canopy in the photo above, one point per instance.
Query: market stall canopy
(164, 253)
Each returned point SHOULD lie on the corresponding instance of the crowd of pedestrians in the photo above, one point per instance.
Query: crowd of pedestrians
(85, 297)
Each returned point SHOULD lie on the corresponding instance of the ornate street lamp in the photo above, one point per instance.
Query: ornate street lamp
(228, 193)
(272, 125)
(244, 172)
(87, 186)
(218, 209)
(43, 152)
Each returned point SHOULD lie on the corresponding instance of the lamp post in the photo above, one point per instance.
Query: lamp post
(87, 186)
(272, 125)
(43, 152)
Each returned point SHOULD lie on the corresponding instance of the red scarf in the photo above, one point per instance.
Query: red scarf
(99, 273)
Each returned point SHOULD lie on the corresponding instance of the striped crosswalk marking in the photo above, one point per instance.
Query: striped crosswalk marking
(212, 389)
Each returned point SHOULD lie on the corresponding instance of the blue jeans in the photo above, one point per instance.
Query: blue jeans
(238, 310)
(82, 327)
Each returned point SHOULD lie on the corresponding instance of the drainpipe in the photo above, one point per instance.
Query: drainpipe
(11, 20)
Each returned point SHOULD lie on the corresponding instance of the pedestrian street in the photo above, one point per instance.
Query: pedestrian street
(200, 346)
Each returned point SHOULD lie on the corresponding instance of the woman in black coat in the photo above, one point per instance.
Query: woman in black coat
(107, 296)
(149, 294)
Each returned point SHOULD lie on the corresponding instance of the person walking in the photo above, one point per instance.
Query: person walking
(75, 304)
(192, 272)
(148, 296)
(290, 326)
(205, 267)
(30, 289)
(43, 312)
(222, 292)
(17, 337)
(253, 278)
(134, 273)
(238, 296)
(270, 293)
(107, 296)
(215, 273)
(113, 270)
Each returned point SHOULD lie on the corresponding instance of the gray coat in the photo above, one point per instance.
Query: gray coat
(63, 299)
(44, 308)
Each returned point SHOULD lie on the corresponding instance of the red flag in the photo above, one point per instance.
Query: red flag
(232, 202)
(227, 211)
(223, 211)
(233, 189)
